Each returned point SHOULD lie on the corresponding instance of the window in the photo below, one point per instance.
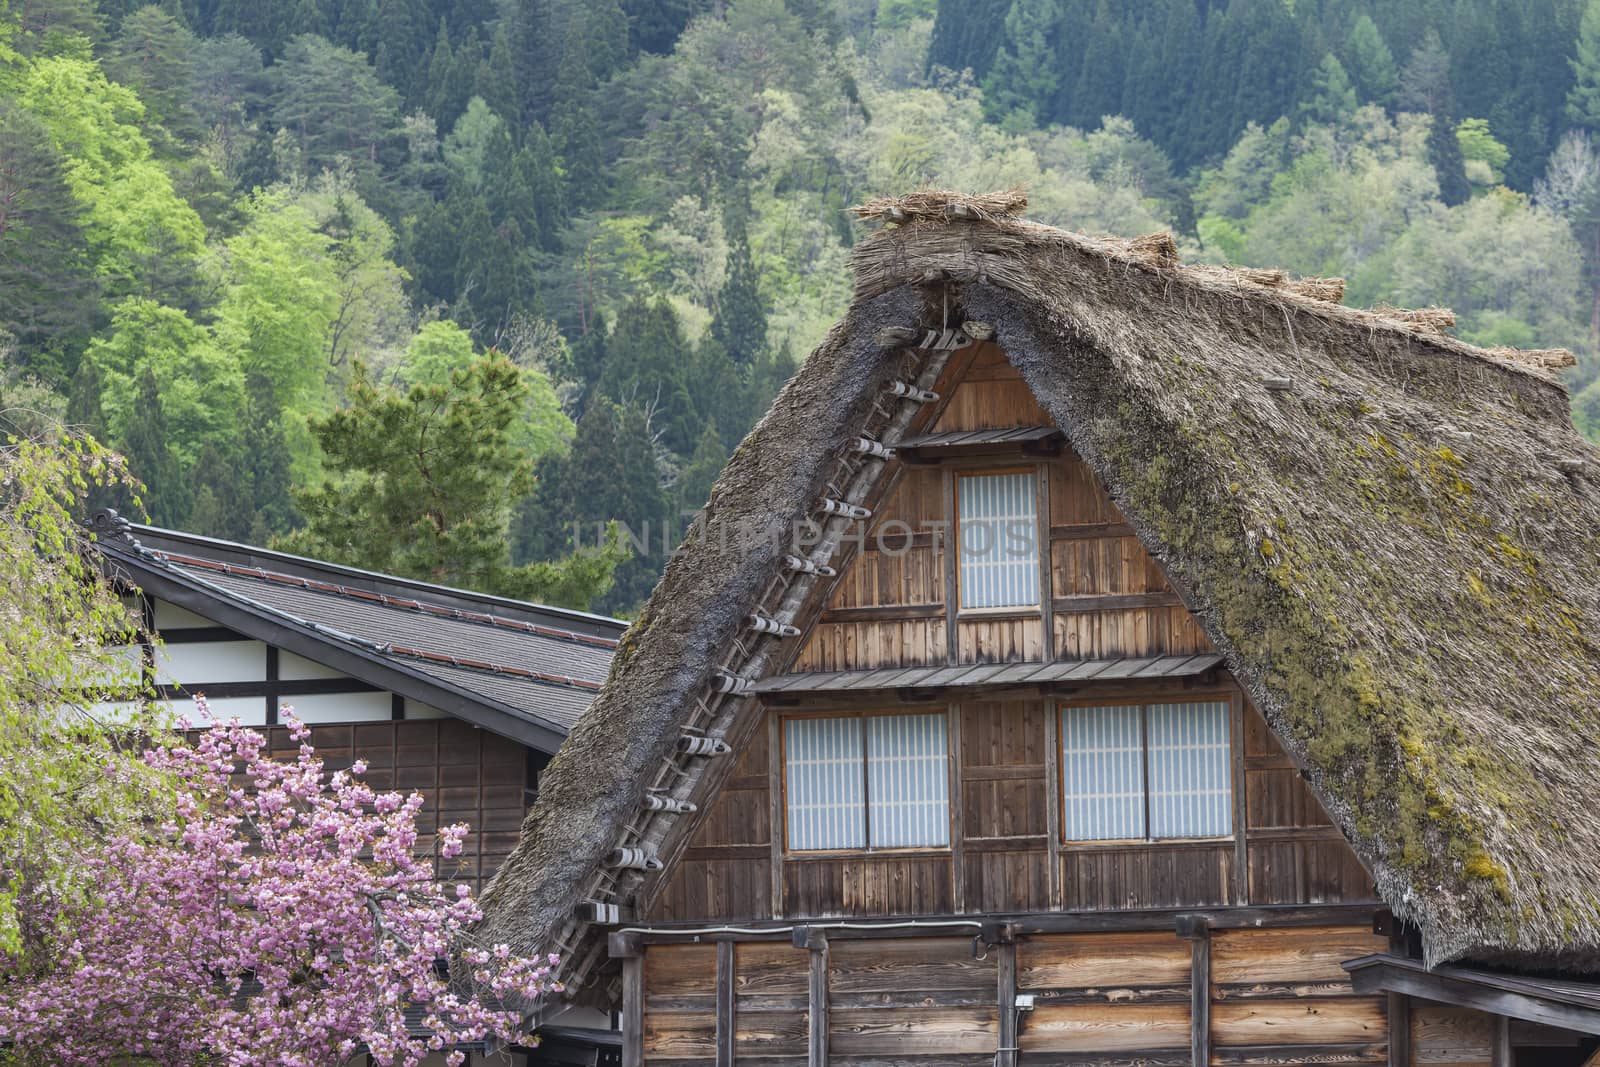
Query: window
(875, 781)
(997, 535)
(1150, 771)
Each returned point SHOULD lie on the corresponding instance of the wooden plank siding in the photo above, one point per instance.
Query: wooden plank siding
(464, 775)
(1273, 995)
(1005, 828)
(890, 606)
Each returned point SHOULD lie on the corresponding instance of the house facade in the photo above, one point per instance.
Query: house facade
(1091, 659)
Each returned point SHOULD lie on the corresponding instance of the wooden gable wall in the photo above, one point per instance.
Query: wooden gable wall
(1106, 597)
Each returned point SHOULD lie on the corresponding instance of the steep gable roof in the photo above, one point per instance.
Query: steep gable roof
(522, 670)
(1389, 535)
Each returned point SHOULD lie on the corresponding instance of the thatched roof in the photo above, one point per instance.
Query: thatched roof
(1397, 555)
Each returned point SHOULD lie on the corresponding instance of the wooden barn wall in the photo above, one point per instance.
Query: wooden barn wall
(464, 775)
(1005, 854)
(1273, 996)
(1107, 597)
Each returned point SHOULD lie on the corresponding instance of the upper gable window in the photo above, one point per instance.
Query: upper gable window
(873, 781)
(997, 534)
(1146, 772)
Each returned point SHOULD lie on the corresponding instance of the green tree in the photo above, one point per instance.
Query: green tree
(202, 386)
(144, 239)
(151, 458)
(333, 103)
(1331, 98)
(421, 481)
(48, 292)
(701, 472)
(69, 689)
(154, 55)
(1484, 157)
(1583, 99)
(648, 364)
(611, 475)
(1025, 73)
(1369, 61)
(740, 321)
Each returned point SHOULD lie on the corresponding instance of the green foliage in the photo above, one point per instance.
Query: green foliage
(333, 104)
(1484, 157)
(1583, 99)
(420, 485)
(145, 442)
(144, 240)
(67, 771)
(48, 291)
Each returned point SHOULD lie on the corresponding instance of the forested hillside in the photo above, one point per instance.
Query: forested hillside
(428, 286)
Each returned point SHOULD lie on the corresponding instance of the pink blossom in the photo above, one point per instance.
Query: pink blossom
(288, 922)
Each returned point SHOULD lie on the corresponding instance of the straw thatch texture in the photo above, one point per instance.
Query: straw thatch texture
(1415, 608)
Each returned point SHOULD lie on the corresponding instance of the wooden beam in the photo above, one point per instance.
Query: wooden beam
(1006, 996)
(1198, 932)
(957, 806)
(1052, 804)
(1041, 525)
(1114, 602)
(633, 1011)
(726, 1024)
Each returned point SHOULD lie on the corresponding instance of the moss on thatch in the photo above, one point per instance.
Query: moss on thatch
(1398, 557)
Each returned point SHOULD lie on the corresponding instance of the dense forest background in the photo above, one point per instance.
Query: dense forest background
(420, 284)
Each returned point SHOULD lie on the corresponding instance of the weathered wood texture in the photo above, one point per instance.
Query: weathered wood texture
(1105, 596)
(1296, 856)
(464, 775)
(1274, 996)
(1005, 795)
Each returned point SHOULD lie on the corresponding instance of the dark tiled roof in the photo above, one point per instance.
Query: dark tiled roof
(538, 663)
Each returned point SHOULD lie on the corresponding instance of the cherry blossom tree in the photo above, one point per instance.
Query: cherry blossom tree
(280, 916)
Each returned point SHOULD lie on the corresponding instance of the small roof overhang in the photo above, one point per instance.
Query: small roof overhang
(991, 674)
(1549, 1001)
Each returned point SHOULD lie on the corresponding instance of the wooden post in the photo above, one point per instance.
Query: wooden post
(957, 805)
(1500, 1049)
(1041, 534)
(626, 947)
(725, 1019)
(1198, 932)
(1399, 1030)
(1052, 802)
(775, 808)
(952, 560)
(816, 942)
(1006, 997)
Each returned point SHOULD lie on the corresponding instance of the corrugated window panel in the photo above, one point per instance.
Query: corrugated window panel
(999, 540)
(1102, 773)
(1191, 779)
(908, 792)
(825, 783)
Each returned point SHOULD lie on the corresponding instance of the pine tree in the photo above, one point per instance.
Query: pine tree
(1330, 97)
(1369, 61)
(85, 413)
(701, 472)
(740, 322)
(610, 474)
(1425, 86)
(648, 365)
(420, 484)
(1583, 99)
(1025, 74)
(151, 459)
(266, 458)
(221, 505)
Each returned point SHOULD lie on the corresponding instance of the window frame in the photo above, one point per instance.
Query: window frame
(781, 831)
(1041, 541)
(1235, 736)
